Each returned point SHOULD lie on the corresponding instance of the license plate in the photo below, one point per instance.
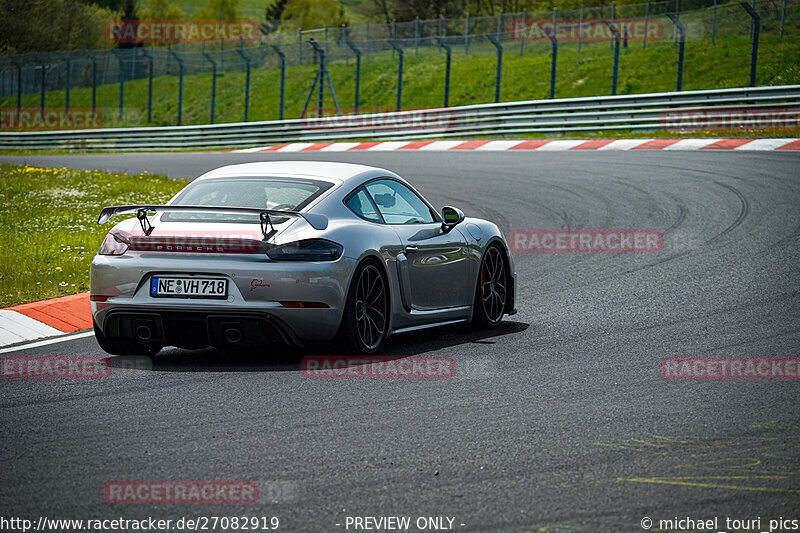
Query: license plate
(188, 287)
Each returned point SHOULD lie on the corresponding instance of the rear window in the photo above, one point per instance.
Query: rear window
(286, 194)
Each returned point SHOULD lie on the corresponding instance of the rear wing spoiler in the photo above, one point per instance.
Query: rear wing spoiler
(318, 222)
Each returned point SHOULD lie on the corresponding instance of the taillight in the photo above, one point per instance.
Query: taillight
(307, 250)
(113, 244)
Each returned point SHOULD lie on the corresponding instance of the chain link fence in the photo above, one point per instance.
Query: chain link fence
(586, 46)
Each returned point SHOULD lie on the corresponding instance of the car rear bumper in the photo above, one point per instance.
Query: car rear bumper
(260, 297)
(196, 328)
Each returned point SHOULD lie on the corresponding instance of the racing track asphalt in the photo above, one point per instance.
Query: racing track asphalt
(557, 421)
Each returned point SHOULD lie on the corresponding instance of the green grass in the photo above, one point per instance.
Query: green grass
(707, 66)
(48, 225)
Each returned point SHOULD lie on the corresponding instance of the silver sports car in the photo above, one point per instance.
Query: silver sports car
(293, 251)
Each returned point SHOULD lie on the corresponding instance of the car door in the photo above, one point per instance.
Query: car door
(433, 265)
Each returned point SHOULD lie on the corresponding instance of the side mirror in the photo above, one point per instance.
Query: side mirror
(451, 217)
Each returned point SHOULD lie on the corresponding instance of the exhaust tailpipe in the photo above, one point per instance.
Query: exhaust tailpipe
(233, 335)
(144, 333)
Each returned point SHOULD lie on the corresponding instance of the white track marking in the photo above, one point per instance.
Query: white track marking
(690, 144)
(764, 144)
(558, 146)
(387, 146)
(624, 144)
(440, 145)
(497, 146)
(294, 147)
(16, 327)
(64, 337)
(339, 147)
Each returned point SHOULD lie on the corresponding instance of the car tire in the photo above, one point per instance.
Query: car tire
(365, 322)
(491, 293)
(123, 347)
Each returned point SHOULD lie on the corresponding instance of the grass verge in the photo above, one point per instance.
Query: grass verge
(48, 225)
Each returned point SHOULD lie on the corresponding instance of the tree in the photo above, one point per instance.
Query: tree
(47, 25)
(219, 10)
(272, 16)
(160, 10)
(309, 14)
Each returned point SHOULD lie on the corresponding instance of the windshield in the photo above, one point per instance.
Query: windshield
(287, 194)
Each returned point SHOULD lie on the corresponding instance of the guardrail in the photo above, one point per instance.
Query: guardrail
(567, 116)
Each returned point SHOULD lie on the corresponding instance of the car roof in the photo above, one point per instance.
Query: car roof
(324, 170)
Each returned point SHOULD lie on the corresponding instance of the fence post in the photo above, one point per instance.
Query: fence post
(525, 27)
(18, 63)
(753, 5)
(674, 28)
(149, 57)
(646, 22)
(366, 40)
(393, 34)
(446, 71)
(498, 66)
(320, 54)
(681, 45)
(615, 65)
(69, 81)
(399, 99)
(580, 30)
(756, 23)
(553, 58)
(499, 23)
(93, 59)
(416, 35)
(299, 47)
(342, 39)
(555, 16)
(180, 84)
(179, 60)
(213, 84)
(714, 23)
(282, 59)
(246, 83)
(783, 17)
(121, 76)
(613, 19)
(466, 32)
(357, 53)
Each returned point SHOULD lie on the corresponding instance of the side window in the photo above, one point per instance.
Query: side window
(398, 204)
(361, 204)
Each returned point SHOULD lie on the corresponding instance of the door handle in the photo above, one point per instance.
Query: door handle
(412, 248)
